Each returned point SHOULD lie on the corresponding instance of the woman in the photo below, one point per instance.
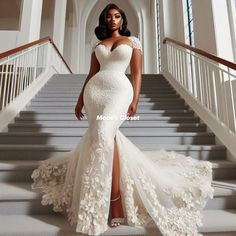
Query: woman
(106, 171)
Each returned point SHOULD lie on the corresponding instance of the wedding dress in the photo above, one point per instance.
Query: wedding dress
(161, 186)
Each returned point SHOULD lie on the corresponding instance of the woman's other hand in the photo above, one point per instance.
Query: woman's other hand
(78, 110)
(132, 108)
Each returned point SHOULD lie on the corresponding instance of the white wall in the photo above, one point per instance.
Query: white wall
(47, 21)
(211, 25)
(203, 24)
(172, 18)
(30, 21)
(10, 14)
(70, 42)
(171, 23)
(8, 40)
(222, 30)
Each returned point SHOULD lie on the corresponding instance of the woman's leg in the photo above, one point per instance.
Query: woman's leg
(116, 206)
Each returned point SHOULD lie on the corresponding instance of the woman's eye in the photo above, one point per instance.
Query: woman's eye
(117, 16)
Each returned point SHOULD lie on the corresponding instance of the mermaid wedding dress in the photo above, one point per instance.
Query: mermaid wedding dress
(165, 187)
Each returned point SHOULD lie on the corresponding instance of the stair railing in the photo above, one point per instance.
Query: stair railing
(21, 66)
(208, 82)
(23, 72)
(210, 79)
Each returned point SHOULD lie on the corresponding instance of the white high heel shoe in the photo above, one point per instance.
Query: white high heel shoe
(117, 221)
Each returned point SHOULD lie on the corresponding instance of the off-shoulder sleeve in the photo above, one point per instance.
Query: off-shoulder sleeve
(95, 45)
(136, 43)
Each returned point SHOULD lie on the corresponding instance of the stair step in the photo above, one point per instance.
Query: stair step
(72, 84)
(55, 225)
(226, 184)
(140, 109)
(175, 102)
(77, 76)
(63, 126)
(45, 151)
(65, 115)
(143, 116)
(222, 222)
(141, 100)
(148, 112)
(20, 170)
(76, 95)
(67, 82)
(77, 91)
(219, 221)
(19, 198)
(134, 135)
(82, 78)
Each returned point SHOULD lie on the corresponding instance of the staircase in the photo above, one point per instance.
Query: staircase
(48, 126)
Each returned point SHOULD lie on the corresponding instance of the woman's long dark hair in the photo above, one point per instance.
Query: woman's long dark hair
(102, 31)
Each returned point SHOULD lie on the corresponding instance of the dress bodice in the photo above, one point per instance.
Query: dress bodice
(117, 58)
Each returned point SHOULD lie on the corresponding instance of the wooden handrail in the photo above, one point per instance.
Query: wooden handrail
(28, 45)
(203, 53)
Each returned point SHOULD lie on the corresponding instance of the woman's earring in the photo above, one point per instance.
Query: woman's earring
(120, 27)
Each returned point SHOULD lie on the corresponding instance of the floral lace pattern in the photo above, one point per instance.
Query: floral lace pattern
(176, 221)
(184, 216)
(51, 177)
(95, 193)
(79, 182)
(135, 211)
(136, 43)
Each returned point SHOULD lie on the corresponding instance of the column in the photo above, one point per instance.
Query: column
(59, 23)
(30, 21)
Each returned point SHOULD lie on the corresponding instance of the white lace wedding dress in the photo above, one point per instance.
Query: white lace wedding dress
(166, 187)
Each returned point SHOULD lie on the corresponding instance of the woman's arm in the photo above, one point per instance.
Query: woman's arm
(136, 78)
(94, 68)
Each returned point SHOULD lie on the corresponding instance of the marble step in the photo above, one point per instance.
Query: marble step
(215, 223)
(174, 102)
(63, 126)
(199, 138)
(141, 100)
(20, 170)
(76, 95)
(45, 151)
(19, 198)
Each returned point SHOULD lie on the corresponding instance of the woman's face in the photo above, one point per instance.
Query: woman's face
(113, 19)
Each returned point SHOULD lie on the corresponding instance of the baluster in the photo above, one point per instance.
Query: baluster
(232, 97)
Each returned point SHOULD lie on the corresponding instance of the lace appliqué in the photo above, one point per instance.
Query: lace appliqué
(51, 178)
(95, 45)
(96, 188)
(136, 213)
(199, 173)
(181, 220)
(92, 215)
(136, 43)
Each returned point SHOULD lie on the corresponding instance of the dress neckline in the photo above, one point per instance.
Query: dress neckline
(109, 48)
